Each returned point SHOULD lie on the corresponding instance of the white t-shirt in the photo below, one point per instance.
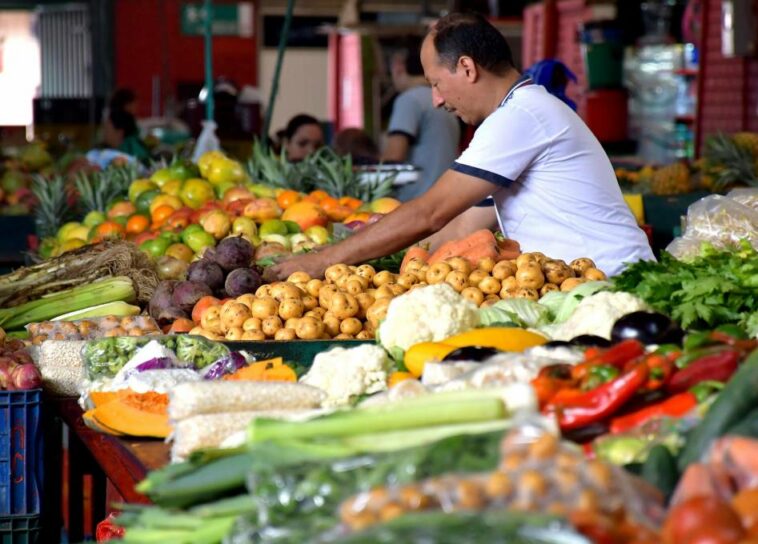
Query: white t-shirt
(558, 192)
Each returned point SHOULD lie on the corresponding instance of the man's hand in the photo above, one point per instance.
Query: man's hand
(312, 263)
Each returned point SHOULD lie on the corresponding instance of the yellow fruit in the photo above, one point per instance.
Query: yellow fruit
(224, 170)
(172, 187)
(502, 338)
(419, 354)
(196, 192)
(672, 179)
(64, 233)
(139, 186)
(72, 243)
(165, 200)
(206, 160)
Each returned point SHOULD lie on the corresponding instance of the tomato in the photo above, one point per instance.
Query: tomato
(745, 503)
(702, 520)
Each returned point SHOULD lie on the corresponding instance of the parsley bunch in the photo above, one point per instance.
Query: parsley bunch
(716, 288)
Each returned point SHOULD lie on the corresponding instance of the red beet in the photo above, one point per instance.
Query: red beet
(207, 272)
(161, 298)
(242, 281)
(187, 293)
(234, 252)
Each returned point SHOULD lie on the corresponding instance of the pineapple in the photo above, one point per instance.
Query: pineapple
(98, 189)
(265, 167)
(673, 179)
(336, 176)
(732, 160)
(52, 205)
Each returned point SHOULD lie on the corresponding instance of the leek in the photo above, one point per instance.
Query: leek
(119, 288)
(118, 308)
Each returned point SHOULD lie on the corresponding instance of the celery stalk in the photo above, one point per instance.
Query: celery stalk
(393, 417)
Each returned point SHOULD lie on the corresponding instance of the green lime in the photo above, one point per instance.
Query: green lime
(198, 240)
(273, 226)
(292, 227)
(143, 201)
(155, 247)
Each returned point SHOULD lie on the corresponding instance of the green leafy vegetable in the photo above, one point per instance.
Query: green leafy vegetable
(519, 311)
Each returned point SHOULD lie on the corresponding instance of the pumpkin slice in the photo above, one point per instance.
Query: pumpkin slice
(91, 421)
(136, 414)
(99, 398)
(272, 370)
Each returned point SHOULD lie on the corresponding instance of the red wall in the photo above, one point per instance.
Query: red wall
(149, 42)
(728, 92)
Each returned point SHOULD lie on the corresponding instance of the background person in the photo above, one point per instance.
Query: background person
(302, 136)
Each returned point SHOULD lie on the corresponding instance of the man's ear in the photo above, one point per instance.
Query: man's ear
(469, 68)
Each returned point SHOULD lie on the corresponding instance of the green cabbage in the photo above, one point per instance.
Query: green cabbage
(518, 312)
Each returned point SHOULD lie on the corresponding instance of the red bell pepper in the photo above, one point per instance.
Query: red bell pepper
(717, 366)
(552, 379)
(576, 409)
(676, 406)
(661, 370)
(108, 531)
(619, 355)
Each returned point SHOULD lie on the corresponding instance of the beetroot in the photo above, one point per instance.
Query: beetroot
(207, 272)
(234, 252)
(169, 314)
(26, 377)
(242, 281)
(161, 298)
(187, 293)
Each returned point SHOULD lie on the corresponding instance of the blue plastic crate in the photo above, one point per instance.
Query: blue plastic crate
(20, 452)
(20, 529)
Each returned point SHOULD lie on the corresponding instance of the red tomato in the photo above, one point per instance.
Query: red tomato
(745, 503)
(703, 520)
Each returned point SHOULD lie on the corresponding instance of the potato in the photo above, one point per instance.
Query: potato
(264, 307)
(545, 289)
(318, 312)
(335, 271)
(270, 325)
(341, 282)
(313, 287)
(366, 271)
(247, 300)
(331, 324)
(489, 286)
(556, 272)
(291, 323)
(570, 283)
(397, 289)
(364, 302)
(254, 336)
(343, 336)
(252, 324)
(343, 305)
(309, 328)
(383, 277)
(211, 321)
(437, 273)
(325, 295)
(369, 328)
(228, 303)
(504, 269)
(414, 265)
(377, 311)
(355, 285)
(509, 284)
(209, 335)
(487, 264)
(580, 265)
(291, 307)
(457, 279)
(299, 277)
(364, 335)
(530, 276)
(419, 285)
(477, 276)
(460, 264)
(235, 333)
(284, 289)
(351, 326)
(525, 258)
(488, 301)
(285, 334)
(527, 292)
(385, 291)
(474, 294)
(594, 274)
(263, 291)
(234, 315)
(407, 280)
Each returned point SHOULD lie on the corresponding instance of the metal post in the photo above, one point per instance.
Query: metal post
(277, 71)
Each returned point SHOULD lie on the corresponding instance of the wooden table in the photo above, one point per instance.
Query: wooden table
(107, 459)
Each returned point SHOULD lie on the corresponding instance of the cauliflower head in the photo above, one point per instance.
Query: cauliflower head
(344, 374)
(426, 314)
(596, 315)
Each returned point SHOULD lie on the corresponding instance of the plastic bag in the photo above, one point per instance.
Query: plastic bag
(720, 220)
(103, 358)
(537, 472)
(207, 141)
(89, 329)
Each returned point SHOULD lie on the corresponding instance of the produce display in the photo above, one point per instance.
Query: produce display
(476, 390)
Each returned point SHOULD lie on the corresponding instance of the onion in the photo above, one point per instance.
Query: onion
(26, 376)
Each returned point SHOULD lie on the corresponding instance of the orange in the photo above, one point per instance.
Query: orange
(287, 198)
(177, 221)
(107, 229)
(161, 213)
(339, 213)
(165, 200)
(318, 195)
(350, 202)
(137, 223)
(329, 203)
(201, 305)
(121, 209)
(397, 377)
(360, 216)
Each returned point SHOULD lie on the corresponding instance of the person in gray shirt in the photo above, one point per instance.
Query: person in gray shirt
(418, 133)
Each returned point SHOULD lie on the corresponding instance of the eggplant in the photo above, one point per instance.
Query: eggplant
(590, 341)
(471, 353)
(557, 344)
(648, 328)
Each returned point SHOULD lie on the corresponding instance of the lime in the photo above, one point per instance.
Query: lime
(273, 226)
(155, 247)
(198, 240)
(143, 201)
(172, 237)
(183, 170)
(292, 227)
(160, 177)
(139, 186)
(93, 218)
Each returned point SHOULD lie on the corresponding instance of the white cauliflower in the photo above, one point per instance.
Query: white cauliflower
(344, 374)
(596, 315)
(427, 314)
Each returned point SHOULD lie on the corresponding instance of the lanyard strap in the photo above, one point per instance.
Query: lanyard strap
(523, 81)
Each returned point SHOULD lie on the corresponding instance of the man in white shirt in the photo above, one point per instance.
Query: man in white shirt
(553, 186)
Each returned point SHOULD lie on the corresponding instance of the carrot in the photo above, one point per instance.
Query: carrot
(414, 252)
(456, 248)
(476, 253)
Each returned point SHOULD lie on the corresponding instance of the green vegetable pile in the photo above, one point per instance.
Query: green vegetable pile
(716, 288)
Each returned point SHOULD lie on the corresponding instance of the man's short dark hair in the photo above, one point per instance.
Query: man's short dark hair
(469, 34)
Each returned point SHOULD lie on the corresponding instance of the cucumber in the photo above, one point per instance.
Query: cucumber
(747, 426)
(739, 396)
(660, 470)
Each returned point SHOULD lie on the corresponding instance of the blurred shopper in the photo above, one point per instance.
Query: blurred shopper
(358, 144)
(554, 188)
(418, 133)
(302, 136)
(120, 132)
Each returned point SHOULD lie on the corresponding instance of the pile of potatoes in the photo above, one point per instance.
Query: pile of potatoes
(347, 304)
(529, 276)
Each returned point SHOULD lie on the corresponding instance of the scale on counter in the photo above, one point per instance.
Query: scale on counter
(403, 173)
